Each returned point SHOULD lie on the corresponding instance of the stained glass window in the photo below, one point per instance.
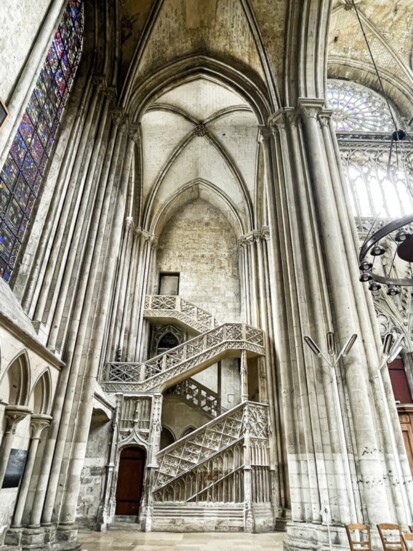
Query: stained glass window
(380, 184)
(23, 172)
(357, 108)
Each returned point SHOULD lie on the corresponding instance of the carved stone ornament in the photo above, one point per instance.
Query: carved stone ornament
(200, 130)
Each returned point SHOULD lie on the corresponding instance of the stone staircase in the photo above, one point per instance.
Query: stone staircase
(215, 477)
(215, 467)
(198, 396)
(173, 308)
(183, 361)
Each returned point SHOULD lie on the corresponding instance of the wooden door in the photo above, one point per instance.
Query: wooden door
(406, 422)
(130, 481)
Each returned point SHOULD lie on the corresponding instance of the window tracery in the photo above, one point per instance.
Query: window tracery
(23, 173)
(379, 183)
(357, 108)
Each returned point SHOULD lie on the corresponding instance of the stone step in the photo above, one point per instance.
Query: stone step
(125, 522)
(196, 517)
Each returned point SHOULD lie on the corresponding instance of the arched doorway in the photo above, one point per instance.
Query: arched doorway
(130, 480)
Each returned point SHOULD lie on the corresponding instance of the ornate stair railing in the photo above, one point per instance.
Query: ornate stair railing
(173, 306)
(182, 361)
(198, 396)
(178, 462)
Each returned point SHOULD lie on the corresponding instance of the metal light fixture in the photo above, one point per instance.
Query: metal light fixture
(374, 286)
(396, 229)
(365, 276)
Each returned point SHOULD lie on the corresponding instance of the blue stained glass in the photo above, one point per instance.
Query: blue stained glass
(33, 109)
(22, 228)
(58, 44)
(4, 270)
(26, 164)
(48, 114)
(22, 193)
(53, 59)
(40, 91)
(29, 169)
(43, 130)
(10, 173)
(26, 128)
(4, 196)
(18, 149)
(14, 215)
(60, 81)
(65, 66)
(6, 243)
(48, 78)
(36, 149)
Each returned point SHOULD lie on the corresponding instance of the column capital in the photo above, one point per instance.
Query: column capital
(15, 414)
(325, 117)
(264, 133)
(134, 132)
(253, 236)
(38, 423)
(310, 108)
(119, 117)
(287, 116)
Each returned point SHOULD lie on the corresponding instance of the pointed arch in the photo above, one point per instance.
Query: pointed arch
(193, 67)
(16, 380)
(195, 189)
(41, 393)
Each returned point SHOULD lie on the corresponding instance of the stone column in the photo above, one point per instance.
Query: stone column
(248, 512)
(38, 423)
(244, 376)
(13, 415)
(320, 282)
(85, 400)
(105, 512)
(49, 477)
(277, 350)
(154, 444)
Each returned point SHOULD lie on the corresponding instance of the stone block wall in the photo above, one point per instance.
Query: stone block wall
(94, 471)
(199, 243)
(15, 46)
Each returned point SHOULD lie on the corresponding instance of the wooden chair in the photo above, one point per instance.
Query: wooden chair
(407, 540)
(411, 528)
(391, 537)
(358, 537)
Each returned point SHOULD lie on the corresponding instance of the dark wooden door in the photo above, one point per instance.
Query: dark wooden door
(130, 481)
(406, 422)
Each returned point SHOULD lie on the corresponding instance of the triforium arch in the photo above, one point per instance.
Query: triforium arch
(40, 396)
(17, 377)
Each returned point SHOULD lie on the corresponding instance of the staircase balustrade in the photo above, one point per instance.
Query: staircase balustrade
(185, 359)
(197, 395)
(211, 440)
(190, 314)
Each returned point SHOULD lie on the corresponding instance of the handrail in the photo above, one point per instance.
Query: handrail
(199, 463)
(238, 335)
(215, 482)
(178, 305)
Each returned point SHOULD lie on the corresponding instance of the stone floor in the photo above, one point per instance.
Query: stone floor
(162, 541)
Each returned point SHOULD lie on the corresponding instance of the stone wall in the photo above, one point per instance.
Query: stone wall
(199, 243)
(20, 22)
(94, 471)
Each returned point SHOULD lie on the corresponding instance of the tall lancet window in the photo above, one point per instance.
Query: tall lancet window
(364, 126)
(23, 173)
